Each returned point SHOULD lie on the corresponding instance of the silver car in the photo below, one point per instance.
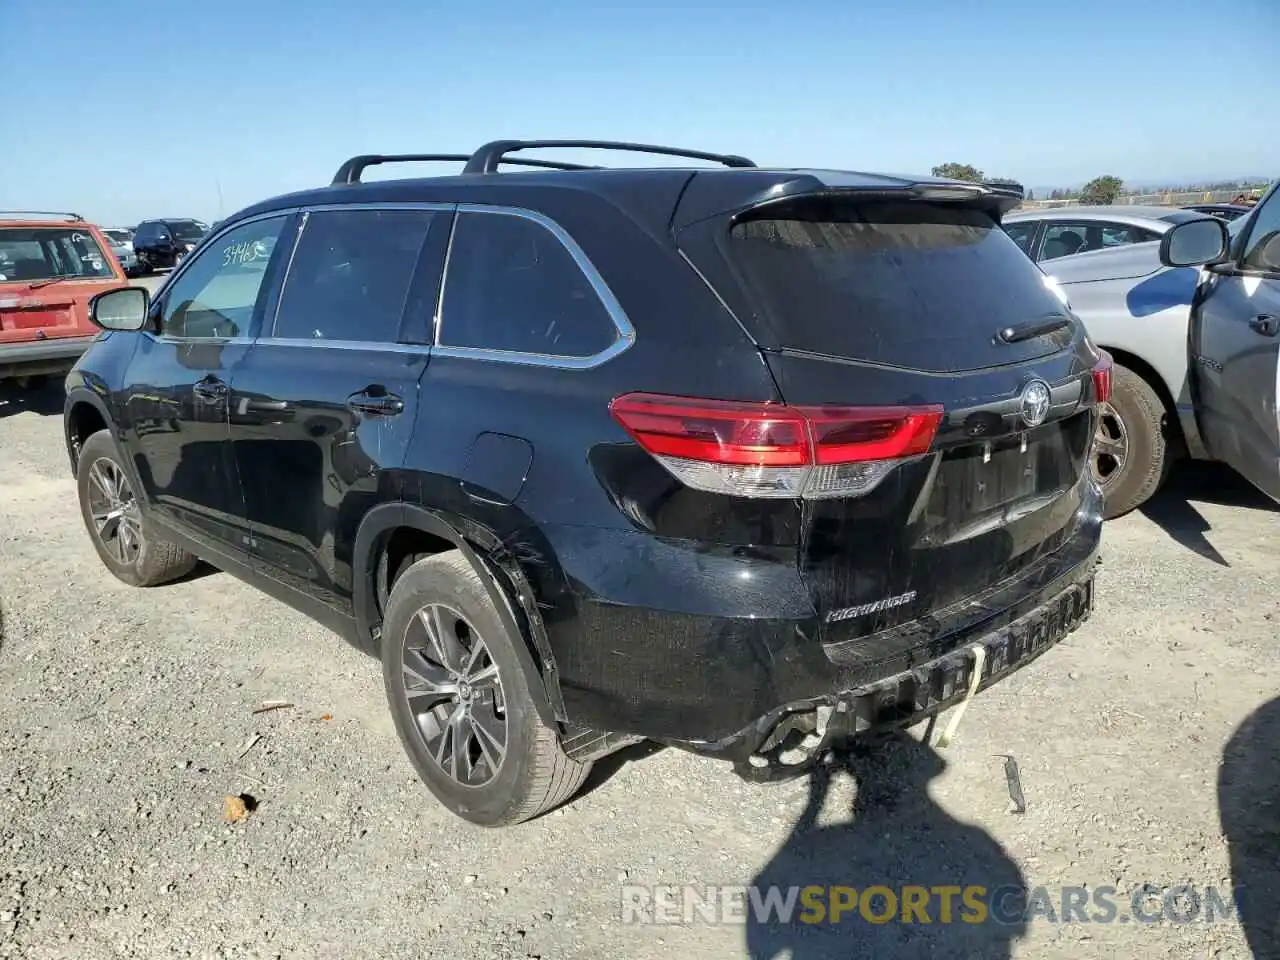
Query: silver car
(1107, 261)
(121, 240)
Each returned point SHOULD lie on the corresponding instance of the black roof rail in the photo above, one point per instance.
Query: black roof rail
(38, 214)
(350, 171)
(487, 158)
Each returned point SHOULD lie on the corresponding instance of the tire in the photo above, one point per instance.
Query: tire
(155, 560)
(1137, 417)
(532, 774)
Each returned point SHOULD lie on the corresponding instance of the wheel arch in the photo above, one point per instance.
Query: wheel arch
(84, 414)
(508, 588)
(1135, 363)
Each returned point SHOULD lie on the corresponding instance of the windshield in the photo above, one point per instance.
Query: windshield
(50, 253)
(186, 229)
(118, 236)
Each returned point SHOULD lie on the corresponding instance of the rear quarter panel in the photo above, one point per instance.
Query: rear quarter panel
(1130, 304)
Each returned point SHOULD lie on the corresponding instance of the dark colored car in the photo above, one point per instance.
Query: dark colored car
(739, 460)
(51, 265)
(160, 244)
(1223, 211)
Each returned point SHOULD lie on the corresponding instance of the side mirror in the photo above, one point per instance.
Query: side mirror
(124, 309)
(1194, 243)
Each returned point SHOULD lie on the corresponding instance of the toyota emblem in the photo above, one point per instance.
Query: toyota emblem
(1033, 403)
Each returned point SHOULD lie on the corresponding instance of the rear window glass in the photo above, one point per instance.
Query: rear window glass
(900, 283)
(46, 253)
(186, 229)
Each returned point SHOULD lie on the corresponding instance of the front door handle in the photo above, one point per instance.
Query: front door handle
(210, 389)
(376, 402)
(1266, 325)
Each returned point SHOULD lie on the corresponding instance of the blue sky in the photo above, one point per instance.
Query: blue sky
(121, 110)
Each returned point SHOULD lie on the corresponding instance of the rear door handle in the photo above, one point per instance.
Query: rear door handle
(210, 389)
(1266, 325)
(376, 402)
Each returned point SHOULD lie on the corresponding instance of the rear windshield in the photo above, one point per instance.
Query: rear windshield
(186, 229)
(47, 253)
(903, 283)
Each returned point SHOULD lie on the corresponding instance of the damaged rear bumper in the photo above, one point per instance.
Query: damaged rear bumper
(789, 739)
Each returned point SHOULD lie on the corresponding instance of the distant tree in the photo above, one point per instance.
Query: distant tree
(1031, 194)
(958, 171)
(1102, 190)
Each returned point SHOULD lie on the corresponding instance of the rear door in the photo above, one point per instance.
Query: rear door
(323, 406)
(907, 303)
(1235, 352)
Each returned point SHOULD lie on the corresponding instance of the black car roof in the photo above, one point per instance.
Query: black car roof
(647, 195)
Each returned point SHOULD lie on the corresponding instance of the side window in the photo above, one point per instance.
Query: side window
(215, 297)
(352, 276)
(1262, 248)
(1062, 240)
(512, 285)
(1022, 234)
(1123, 234)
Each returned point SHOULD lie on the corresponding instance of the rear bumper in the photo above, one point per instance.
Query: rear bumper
(910, 696)
(35, 357)
(684, 656)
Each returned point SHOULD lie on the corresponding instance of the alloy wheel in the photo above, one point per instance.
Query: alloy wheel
(1110, 446)
(454, 694)
(114, 509)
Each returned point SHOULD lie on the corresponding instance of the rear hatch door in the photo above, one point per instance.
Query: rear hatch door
(881, 301)
(47, 276)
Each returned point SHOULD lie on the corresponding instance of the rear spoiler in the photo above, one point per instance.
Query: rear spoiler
(751, 193)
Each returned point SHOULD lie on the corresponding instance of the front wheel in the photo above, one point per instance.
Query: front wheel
(1131, 456)
(461, 703)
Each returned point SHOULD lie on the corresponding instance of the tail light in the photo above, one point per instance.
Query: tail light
(1102, 378)
(775, 450)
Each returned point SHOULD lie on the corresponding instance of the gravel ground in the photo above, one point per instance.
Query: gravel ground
(126, 718)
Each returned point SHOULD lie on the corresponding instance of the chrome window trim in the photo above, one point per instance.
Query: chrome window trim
(176, 274)
(625, 334)
(363, 345)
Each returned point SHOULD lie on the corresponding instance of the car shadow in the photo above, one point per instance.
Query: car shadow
(201, 570)
(1249, 807)
(45, 399)
(894, 837)
(1190, 482)
(606, 768)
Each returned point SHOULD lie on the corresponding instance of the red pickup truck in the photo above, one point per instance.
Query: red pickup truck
(50, 266)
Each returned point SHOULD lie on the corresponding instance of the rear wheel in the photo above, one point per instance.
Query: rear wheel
(1131, 456)
(109, 507)
(461, 703)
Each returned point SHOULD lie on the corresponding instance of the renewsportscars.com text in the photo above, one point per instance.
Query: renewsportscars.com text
(911, 904)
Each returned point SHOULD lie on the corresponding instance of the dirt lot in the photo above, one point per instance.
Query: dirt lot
(126, 717)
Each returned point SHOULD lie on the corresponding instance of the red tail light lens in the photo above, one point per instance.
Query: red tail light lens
(775, 450)
(715, 431)
(1102, 378)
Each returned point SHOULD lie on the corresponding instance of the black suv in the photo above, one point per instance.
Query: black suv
(161, 244)
(740, 460)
